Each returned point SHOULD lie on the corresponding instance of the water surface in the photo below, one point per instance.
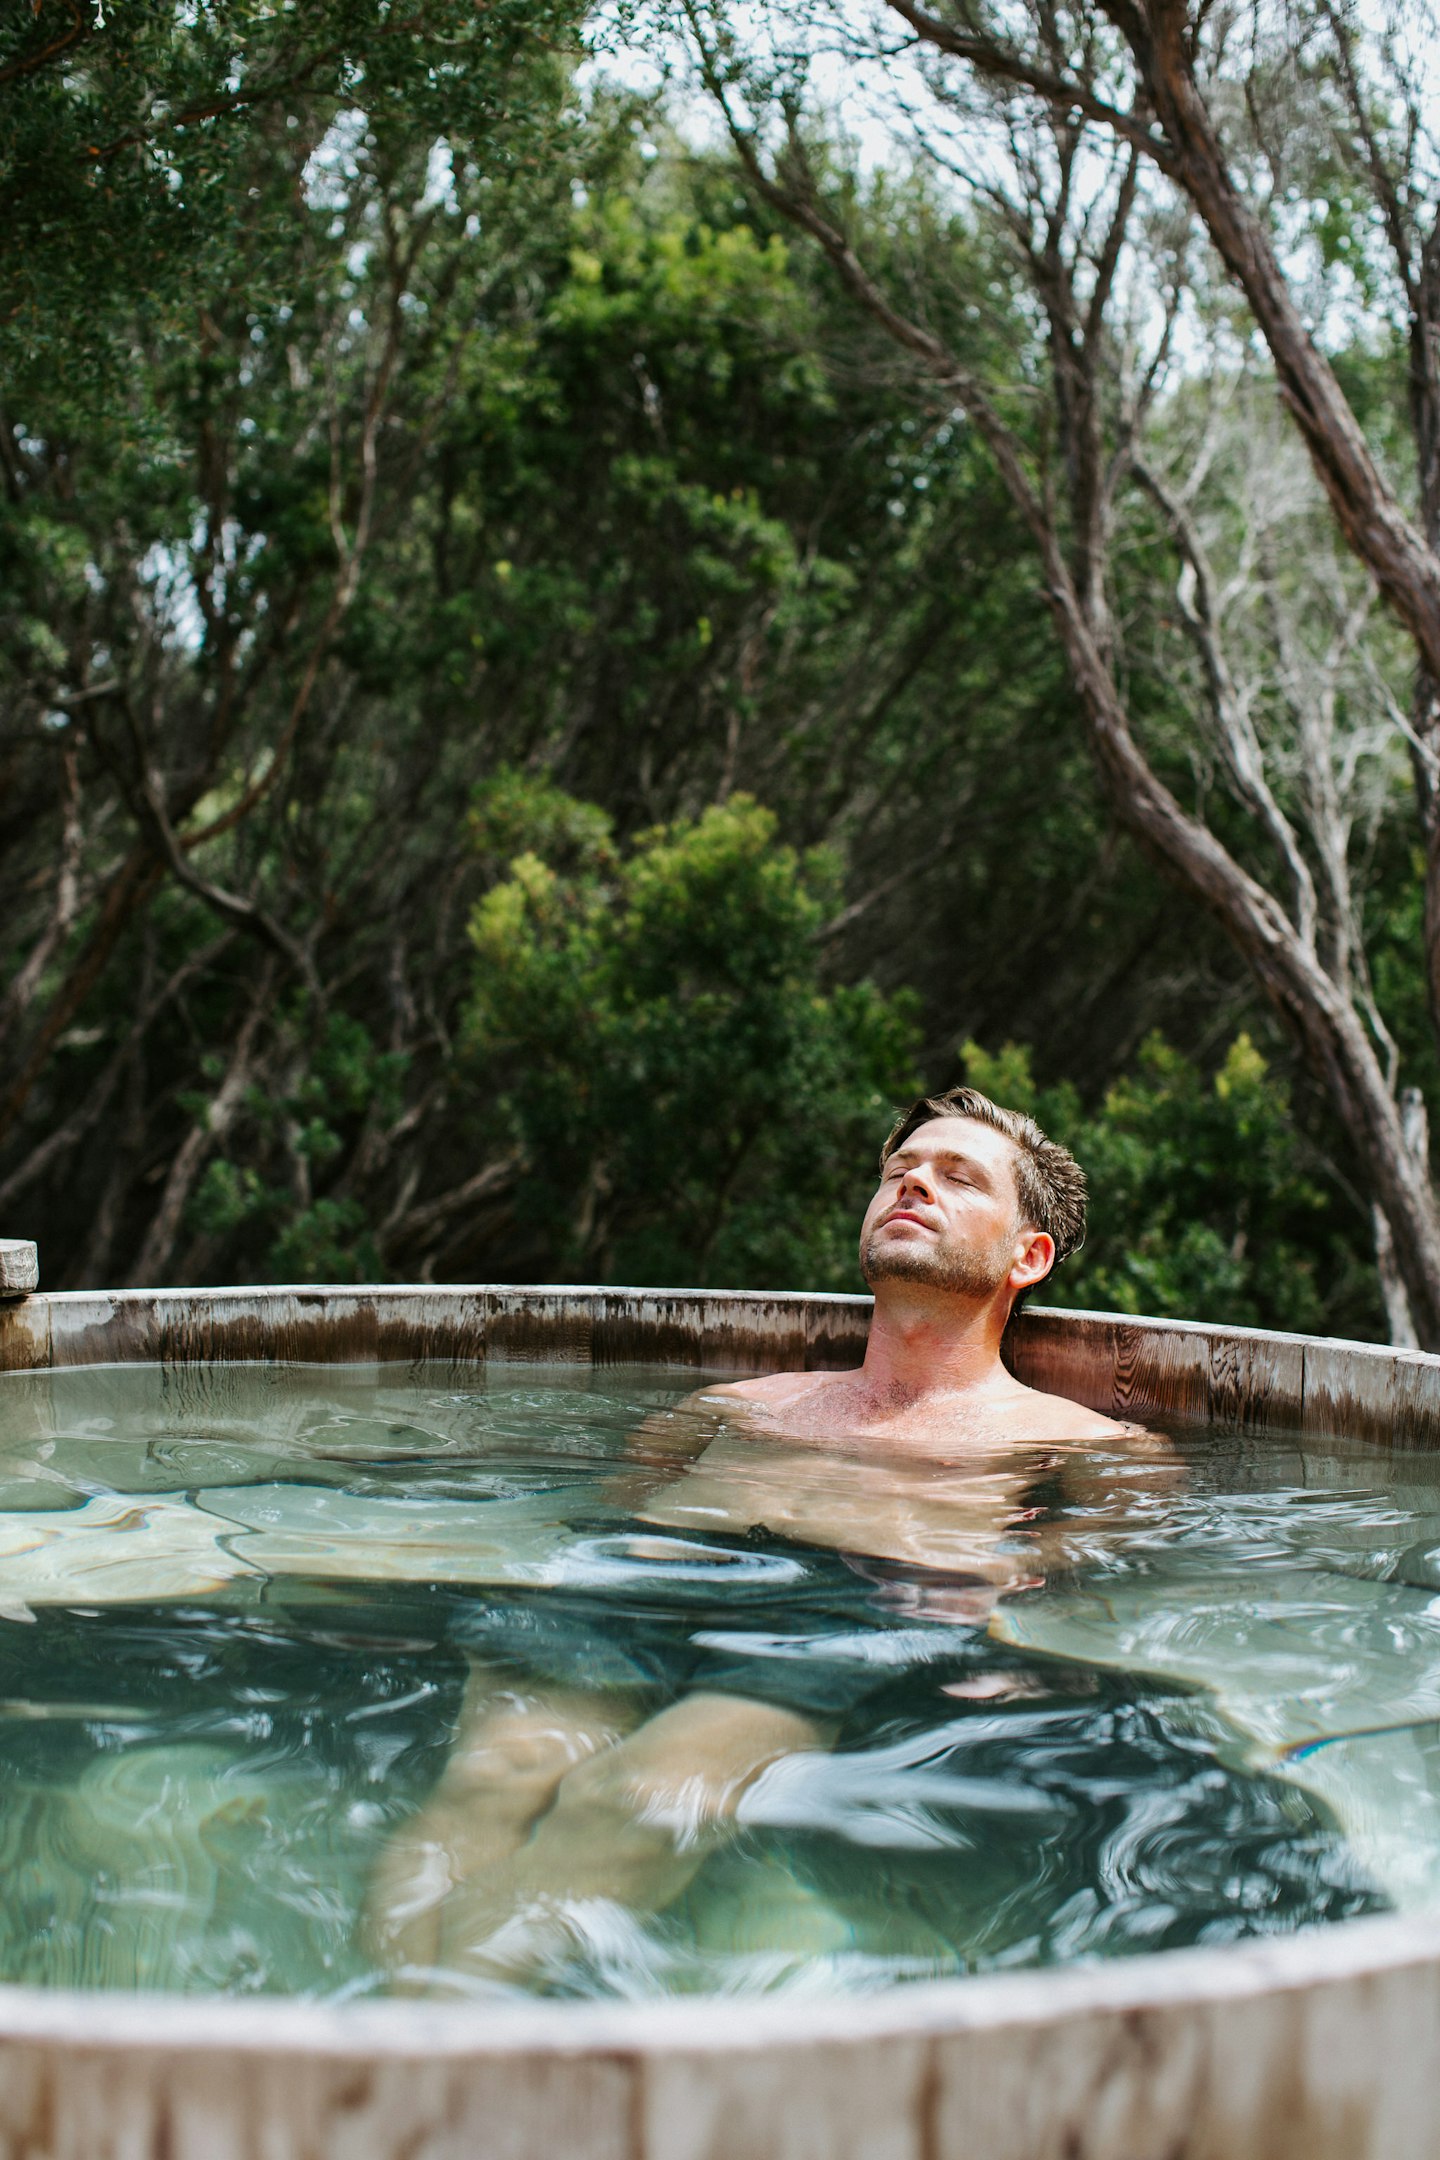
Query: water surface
(238, 1607)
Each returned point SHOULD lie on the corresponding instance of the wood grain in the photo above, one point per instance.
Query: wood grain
(1154, 1371)
(19, 1267)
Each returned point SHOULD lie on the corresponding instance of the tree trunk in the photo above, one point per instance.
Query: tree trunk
(1313, 1007)
(1399, 1325)
(200, 1142)
(128, 892)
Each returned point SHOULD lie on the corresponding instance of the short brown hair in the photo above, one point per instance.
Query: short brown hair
(1049, 1183)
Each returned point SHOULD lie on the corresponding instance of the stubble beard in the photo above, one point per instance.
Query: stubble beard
(971, 1272)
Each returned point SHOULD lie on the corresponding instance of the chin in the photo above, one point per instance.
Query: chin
(903, 1263)
(922, 1264)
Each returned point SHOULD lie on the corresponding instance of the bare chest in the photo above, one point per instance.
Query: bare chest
(928, 1514)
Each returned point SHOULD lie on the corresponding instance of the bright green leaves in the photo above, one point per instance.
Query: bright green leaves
(519, 813)
(685, 279)
(1206, 1202)
(692, 1104)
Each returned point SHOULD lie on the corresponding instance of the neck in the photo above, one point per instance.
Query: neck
(924, 1341)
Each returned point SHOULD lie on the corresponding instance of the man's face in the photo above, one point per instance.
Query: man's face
(947, 1213)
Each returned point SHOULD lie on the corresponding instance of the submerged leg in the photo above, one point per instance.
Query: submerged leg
(630, 1826)
(513, 1747)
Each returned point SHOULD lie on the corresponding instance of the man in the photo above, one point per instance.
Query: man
(920, 1470)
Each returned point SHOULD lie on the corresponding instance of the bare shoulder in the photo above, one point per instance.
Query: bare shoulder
(770, 1390)
(1056, 1417)
(684, 1429)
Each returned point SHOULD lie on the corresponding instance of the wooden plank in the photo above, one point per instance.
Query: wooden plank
(25, 1335)
(1356, 1391)
(1066, 1354)
(1161, 1371)
(19, 1267)
(754, 1331)
(827, 2101)
(1319, 2072)
(835, 1332)
(88, 2103)
(655, 1327)
(524, 1326)
(1257, 1381)
(416, 1324)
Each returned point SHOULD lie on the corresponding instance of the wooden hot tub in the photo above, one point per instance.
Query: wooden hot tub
(1312, 2047)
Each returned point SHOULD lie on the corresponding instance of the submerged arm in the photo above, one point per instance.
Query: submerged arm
(1108, 1494)
(663, 1446)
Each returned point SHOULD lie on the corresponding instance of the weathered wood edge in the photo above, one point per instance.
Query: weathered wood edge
(1245, 1379)
(19, 1267)
(1333, 1955)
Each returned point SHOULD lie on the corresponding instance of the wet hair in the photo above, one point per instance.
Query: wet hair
(1049, 1183)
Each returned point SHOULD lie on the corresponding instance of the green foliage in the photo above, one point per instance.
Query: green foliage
(147, 148)
(1205, 1201)
(348, 1076)
(326, 1242)
(518, 813)
(691, 1104)
(230, 1194)
(656, 525)
(320, 1241)
(338, 1081)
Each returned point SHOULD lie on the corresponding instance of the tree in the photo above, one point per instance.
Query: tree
(1154, 75)
(648, 522)
(685, 1101)
(1205, 1201)
(176, 600)
(138, 144)
(600, 536)
(1248, 113)
(1060, 185)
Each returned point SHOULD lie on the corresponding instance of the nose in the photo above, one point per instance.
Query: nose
(915, 1185)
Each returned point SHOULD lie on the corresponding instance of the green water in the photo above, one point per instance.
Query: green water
(238, 1610)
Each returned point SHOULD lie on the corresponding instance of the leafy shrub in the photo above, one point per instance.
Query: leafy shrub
(339, 1079)
(1206, 1201)
(690, 1103)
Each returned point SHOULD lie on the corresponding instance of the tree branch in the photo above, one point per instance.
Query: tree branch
(81, 27)
(1199, 611)
(1006, 66)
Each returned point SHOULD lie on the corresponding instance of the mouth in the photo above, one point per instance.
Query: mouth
(905, 1215)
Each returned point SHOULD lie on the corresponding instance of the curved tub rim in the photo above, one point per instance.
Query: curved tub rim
(1326, 1955)
(858, 1303)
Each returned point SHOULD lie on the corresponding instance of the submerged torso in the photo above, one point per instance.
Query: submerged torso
(945, 1517)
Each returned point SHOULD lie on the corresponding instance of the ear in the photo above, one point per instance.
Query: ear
(1034, 1260)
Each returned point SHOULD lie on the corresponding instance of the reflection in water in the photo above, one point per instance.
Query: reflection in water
(257, 1624)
